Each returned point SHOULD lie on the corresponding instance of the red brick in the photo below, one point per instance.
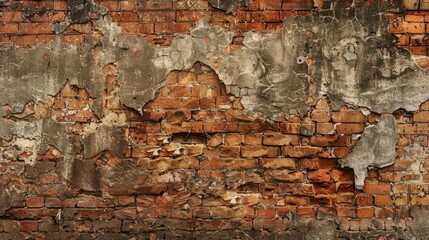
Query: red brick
(156, 16)
(364, 200)
(291, 128)
(332, 141)
(35, 202)
(383, 200)
(31, 40)
(28, 226)
(341, 152)
(284, 176)
(325, 128)
(155, 5)
(406, 27)
(191, 16)
(278, 163)
(60, 5)
(124, 16)
(342, 175)
(35, 28)
(280, 140)
(73, 39)
(164, 103)
(137, 28)
(365, 212)
(178, 116)
(11, 17)
(348, 116)
(322, 175)
(301, 151)
(56, 17)
(9, 28)
(265, 16)
(421, 116)
(349, 128)
(233, 139)
(298, 5)
(172, 27)
(128, 5)
(377, 188)
(306, 212)
(254, 151)
(320, 116)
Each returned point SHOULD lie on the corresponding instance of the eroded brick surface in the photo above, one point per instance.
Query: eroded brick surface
(194, 162)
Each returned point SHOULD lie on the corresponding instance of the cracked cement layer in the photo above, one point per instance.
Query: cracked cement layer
(376, 148)
(344, 54)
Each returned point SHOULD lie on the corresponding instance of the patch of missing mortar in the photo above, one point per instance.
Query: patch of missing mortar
(376, 148)
(228, 5)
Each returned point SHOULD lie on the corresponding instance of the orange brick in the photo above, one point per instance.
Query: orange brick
(128, 5)
(421, 116)
(60, 5)
(383, 200)
(281, 140)
(325, 128)
(334, 141)
(364, 200)
(156, 16)
(349, 128)
(345, 211)
(8, 16)
(191, 16)
(322, 175)
(291, 128)
(377, 188)
(301, 151)
(406, 27)
(124, 16)
(253, 139)
(56, 17)
(28, 226)
(365, 212)
(35, 202)
(35, 28)
(298, 5)
(73, 39)
(172, 27)
(233, 139)
(9, 28)
(414, 18)
(137, 28)
(320, 116)
(348, 116)
(31, 40)
(306, 212)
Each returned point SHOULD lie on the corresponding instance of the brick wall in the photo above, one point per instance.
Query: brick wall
(198, 164)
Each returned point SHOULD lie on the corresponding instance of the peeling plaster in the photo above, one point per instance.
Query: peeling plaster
(343, 54)
(376, 148)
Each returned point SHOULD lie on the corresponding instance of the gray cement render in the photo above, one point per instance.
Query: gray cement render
(343, 54)
(376, 148)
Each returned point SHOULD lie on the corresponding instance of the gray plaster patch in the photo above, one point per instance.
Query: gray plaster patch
(322, 230)
(376, 148)
(227, 5)
(110, 138)
(420, 217)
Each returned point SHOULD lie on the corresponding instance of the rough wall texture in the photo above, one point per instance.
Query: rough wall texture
(165, 119)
